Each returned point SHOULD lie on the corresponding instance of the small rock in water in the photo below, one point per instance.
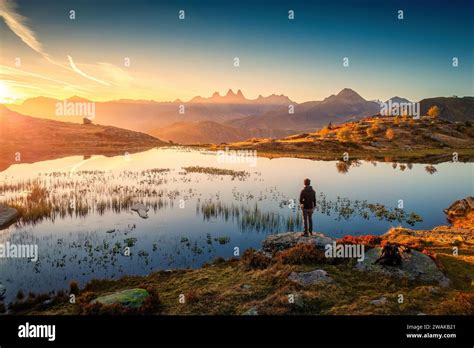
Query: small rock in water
(141, 209)
(111, 231)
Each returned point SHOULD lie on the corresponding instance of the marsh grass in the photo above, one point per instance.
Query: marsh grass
(239, 174)
(61, 194)
(249, 218)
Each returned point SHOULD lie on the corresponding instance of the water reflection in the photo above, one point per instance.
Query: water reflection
(82, 220)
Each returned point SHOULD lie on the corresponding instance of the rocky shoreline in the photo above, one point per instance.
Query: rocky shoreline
(293, 274)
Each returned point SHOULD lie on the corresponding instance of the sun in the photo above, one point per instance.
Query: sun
(6, 96)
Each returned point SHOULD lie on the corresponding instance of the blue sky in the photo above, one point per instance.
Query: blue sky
(301, 58)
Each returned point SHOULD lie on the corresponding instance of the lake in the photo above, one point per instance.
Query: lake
(196, 214)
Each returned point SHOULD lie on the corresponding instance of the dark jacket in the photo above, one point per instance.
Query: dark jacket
(308, 197)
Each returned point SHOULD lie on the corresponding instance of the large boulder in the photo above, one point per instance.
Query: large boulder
(317, 276)
(415, 266)
(132, 298)
(282, 241)
(460, 208)
(7, 216)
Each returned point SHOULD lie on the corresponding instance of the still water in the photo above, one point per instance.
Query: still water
(196, 216)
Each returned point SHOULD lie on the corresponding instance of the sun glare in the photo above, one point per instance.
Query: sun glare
(6, 96)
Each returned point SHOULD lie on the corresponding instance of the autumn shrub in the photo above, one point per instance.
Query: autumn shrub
(370, 132)
(324, 132)
(252, 259)
(73, 288)
(368, 240)
(389, 134)
(301, 254)
(28, 304)
(192, 296)
(343, 134)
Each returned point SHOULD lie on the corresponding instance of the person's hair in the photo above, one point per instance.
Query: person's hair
(307, 182)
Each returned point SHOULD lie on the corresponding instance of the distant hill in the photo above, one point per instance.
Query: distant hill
(451, 108)
(145, 116)
(421, 140)
(346, 105)
(38, 139)
(398, 100)
(205, 132)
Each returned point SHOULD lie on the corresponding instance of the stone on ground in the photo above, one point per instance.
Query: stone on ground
(132, 298)
(310, 278)
(251, 311)
(379, 302)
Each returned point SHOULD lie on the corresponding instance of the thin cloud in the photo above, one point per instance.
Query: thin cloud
(18, 25)
(76, 69)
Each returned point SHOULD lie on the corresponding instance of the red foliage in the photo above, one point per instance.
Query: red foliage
(252, 259)
(429, 253)
(369, 240)
(302, 254)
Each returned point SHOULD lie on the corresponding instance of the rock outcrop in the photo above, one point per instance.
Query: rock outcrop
(282, 241)
(460, 208)
(415, 266)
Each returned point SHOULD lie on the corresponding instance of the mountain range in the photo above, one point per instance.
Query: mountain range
(233, 117)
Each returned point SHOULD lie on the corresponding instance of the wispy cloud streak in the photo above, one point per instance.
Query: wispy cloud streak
(80, 72)
(18, 25)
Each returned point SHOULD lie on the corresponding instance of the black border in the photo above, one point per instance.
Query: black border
(241, 330)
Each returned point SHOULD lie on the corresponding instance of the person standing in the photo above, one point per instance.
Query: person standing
(308, 203)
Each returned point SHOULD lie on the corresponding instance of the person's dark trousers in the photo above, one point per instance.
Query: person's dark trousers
(308, 220)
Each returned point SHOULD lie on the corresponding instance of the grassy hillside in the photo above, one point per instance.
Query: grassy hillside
(453, 109)
(38, 139)
(378, 138)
